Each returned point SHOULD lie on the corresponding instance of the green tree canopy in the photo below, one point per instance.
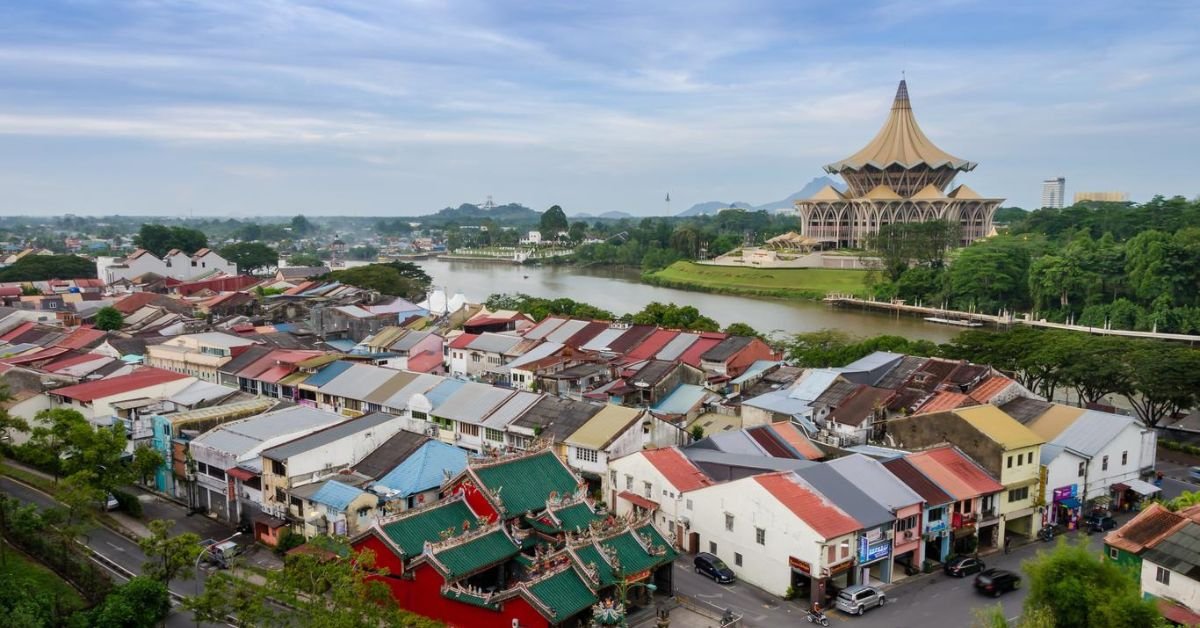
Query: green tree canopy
(305, 259)
(160, 239)
(674, 316)
(394, 278)
(301, 226)
(250, 256)
(45, 267)
(553, 220)
(169, 557)
(1080, 590)
(140, 603)
(109, 318)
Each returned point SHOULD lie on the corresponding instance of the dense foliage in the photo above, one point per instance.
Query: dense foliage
(251, 256)
(109, 318)
(400, 279)
(831, 347)
(160, 239)
(45, 267)
(1078, 589)
(539, 308)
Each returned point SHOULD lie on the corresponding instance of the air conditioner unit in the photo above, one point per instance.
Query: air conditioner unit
(908, 534)
(432, 431)
(457, 436)
(687, 523)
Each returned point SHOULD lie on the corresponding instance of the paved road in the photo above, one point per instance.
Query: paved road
(921, 602)
(110, 545)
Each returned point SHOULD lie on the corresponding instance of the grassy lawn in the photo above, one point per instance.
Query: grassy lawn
(804, 283)
(32, 576)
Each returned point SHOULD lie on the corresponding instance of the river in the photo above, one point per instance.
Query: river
(619, 291)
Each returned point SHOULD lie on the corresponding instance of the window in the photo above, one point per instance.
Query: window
(845, 551)
(1018, 494)
(278, 468)
(1112, 553)
(446, 424)
(468, 429)
(420, 416)
(1030, 458)
(586, 455)
(935, 514)
(1010, 462)
(629, 482)
(1124, 458)
(907, 523)
(1082, 468)
(729, 522)
(647, 490)
(279, 496)
(612, 477)
(689, 504)
(1162, 576)
(712, 548)
(832, 554)
(760, 536)
(498, 436)
(737, 559)
(1104, 463)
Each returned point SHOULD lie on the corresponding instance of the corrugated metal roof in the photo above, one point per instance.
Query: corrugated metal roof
(1092, 431)
(242, 436)
(878, 359)
(511, 410)
(200, 391)
(602, 429)
(326, 374)
(677, 469)
(357, 382)
(137, 380)
(440, 393)
(955, 472)
(816, 510)
(492, 342)
(812, 384)
(677, 346)
(425, 469)
(1179, 551)
(796, 439)
(471, 402)
(754, 370)
(1056, 418)
(1001, 428)
(544, 350)
(885, 488)
(422, 384)
(384, 391)
(846, 495)
(542, 329)
(563, 332)
(682, 400)
(601, 340)
(336, 495)
(392, 452)
(929, 491)
(328, 435)
(651, 344)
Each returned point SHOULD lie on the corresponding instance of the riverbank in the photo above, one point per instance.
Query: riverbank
(810, 284)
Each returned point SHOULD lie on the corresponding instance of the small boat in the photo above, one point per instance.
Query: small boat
(524, 276)
(957, 322)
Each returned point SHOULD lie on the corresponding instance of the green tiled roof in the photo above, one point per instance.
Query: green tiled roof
(410, 533)
(473, 600)
(657, 540)
(578, 516)
(589, 554)
(524, 484)
(476, 554)
(631, 555)
(565, 592)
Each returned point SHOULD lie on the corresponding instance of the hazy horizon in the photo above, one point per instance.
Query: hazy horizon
(229, 109)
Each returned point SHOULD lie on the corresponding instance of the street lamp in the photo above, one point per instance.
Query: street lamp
(208, 550)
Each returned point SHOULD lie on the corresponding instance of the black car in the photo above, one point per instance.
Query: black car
(1100, 523)
(714, 568)
(996, 581)
(963, 566)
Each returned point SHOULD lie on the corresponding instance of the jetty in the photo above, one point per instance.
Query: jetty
(1005, 319)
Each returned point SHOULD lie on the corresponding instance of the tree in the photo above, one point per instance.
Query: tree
(742, 329)
(673, 316)
(169, 557)
(553, 221)
(160, 239)
(382, 278)
(1163, 380)
(251, 256)
(45, 267)
(301, 226)
(146, 462)
(8, 422)
(578, 231)
(697, 432)
(50, 438)
(109, 318)
(991, 275)
(140, 603)
(823, 348)
(305, 259)
(1078, 589)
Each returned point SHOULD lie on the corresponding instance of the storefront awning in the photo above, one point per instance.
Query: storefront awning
(638, 500)
(1069, 502)
(1141, 487)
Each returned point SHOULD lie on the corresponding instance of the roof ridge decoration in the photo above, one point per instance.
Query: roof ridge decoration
(900, 142)
(422, 509)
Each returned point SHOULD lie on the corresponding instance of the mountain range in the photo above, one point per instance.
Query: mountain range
(812, 187)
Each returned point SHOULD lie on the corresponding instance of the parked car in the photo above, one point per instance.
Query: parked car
(1100, 523)
(110, 502)
(1195, 473)
(996, 581)
(219, 554)
(858, 598)
(714, 568)
(963, 566)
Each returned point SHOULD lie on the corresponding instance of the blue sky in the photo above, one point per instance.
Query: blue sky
(373, 107)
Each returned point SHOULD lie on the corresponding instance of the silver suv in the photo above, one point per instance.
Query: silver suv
(859, 598)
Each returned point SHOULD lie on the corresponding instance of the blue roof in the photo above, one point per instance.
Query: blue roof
(681, 400)
(779, 401)
(336, 495)
(326, 375)
(438, 394)
(285, 327)
(755, 369)
(423, 469)
(345, 346)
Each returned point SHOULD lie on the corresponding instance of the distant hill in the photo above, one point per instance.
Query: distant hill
(712, 207)
(615, 215)
(469, 214)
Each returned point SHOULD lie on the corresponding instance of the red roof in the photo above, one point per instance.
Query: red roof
(80, 338)
(17, 331)
(955, 472)
(275, 373)
(589, 331)
(425, 362)
(73, 361)
(1177, 613)
(945, 400)
(44, 354)
(638, 500)
(700, 347)
(134, 302)
(10, 291)
(990, 387)
(808, 505)
(652, 344)
(241, 474)
(462, 341)
(677, 469)
(141, 378)
(792, 435)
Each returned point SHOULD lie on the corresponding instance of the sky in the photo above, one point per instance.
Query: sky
(278, 107)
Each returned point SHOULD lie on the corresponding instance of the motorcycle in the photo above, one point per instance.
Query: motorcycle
(1047, 533)
(817, 617)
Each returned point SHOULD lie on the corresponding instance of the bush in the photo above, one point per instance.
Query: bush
(128, 503)
(288, 540)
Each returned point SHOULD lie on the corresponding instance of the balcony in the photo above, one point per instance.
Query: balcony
(989, 514)
(960, 520)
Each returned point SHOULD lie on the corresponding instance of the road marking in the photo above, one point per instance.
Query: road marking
(116, 547)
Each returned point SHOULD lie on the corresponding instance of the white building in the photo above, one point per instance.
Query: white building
(613, 432)
(175, 264)
(1054, 192)
(776, 531)
(1169, 574)
(657, 481)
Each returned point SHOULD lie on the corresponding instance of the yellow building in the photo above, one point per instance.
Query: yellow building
(1019, 467)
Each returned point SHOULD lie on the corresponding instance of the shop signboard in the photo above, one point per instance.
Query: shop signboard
(868, 551)
(1066, 492)
(799, 565)
(933, 527)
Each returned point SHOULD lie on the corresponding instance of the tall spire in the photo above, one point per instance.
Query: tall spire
(901, 101)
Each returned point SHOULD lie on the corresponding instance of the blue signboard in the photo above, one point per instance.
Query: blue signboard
(868, 552)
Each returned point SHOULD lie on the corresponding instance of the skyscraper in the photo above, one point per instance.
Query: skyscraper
(1054, 192)
(900, 177)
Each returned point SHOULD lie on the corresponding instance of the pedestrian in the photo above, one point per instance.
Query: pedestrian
(1007, 544)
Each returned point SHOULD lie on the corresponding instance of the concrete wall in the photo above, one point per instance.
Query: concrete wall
(1180, 588)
